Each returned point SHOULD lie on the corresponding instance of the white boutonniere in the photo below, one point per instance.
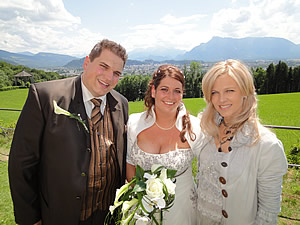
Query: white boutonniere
(60, 111)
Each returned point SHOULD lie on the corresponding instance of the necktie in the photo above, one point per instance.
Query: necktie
(96, 114)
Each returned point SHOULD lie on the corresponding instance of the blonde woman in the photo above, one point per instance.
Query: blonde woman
(241, 165)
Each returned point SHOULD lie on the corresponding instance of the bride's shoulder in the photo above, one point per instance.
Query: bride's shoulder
(195, 121)
(137, 117)
(138, 122)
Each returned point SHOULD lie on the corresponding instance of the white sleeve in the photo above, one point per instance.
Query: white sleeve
(130, 142)
(197, 144)
(272, 167)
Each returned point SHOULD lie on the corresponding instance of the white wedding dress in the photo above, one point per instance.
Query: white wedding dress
(183, 212)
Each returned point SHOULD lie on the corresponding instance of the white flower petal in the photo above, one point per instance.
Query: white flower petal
(170, 186)
(128, 204)
(147, 205)
(142, 221)
(149, 176)
(154, 188)
(58, 110)
(112, 209)
(161, 203)
(163, 174)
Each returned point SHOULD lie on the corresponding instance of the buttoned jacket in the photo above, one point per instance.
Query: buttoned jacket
(248, 179)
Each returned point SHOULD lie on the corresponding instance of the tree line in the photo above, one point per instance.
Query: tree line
(7, 72)
(274, 79)
(277, 78)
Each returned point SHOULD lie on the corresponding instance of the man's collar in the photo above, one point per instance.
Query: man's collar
(87, 95)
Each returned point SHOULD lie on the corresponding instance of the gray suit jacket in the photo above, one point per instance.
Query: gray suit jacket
(50, 153)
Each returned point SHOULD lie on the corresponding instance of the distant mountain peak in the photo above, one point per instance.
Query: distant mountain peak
(39, 60)
(248, 48)
(26, 53)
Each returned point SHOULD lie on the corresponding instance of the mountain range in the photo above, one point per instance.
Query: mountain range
(251, 48)
(39, 60)
(218, 48)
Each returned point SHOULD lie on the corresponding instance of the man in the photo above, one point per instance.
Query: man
(60, 172)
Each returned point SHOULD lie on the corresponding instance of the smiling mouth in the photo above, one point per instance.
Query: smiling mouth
(169, 103)
(224, 106)
(103, 83)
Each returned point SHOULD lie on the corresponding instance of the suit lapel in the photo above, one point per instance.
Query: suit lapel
(77, 105)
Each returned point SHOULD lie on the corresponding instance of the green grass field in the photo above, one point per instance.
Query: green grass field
(13, 99)
(279, 109)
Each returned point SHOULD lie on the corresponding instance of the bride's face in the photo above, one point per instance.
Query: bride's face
(167, 95)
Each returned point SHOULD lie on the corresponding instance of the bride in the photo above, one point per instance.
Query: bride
(164, 135)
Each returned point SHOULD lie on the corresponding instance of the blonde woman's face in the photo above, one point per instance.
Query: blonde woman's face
(226, 97)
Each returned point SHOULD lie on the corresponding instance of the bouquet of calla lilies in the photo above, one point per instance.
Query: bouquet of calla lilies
(145, 197)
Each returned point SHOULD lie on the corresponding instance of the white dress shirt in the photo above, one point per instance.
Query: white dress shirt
(87, 96)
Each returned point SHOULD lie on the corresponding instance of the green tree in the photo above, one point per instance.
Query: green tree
(143, 83)
(270, 79)
(296, 79)
(289, 80)
(260, 80)
(193, 77)
(281, 75)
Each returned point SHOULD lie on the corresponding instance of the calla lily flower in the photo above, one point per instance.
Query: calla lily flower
(60, 111)
(128, 204)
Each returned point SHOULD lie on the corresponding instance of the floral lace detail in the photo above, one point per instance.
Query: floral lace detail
(179, 159)
(209, 194)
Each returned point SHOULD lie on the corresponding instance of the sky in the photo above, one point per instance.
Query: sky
(73, 27)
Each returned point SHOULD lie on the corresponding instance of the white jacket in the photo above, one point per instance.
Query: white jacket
(243, 185)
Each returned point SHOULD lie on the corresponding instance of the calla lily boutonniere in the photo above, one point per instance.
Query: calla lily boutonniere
(60, 111)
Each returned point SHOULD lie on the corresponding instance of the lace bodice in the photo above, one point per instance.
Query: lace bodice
(179, 159)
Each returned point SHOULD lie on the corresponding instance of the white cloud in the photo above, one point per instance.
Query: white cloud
(172, 20)
(43, 25)
(182, 32)
(260, 18)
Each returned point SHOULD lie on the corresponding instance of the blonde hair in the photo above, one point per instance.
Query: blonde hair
(244, 79)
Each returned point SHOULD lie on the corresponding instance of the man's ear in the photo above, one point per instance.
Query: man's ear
(86, 62)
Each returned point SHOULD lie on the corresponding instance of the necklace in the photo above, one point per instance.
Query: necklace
(229, 136)
(162, 128)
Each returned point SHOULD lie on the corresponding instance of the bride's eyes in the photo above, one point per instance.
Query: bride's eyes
(164, 89)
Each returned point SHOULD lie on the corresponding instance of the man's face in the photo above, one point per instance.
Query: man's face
(102, 75)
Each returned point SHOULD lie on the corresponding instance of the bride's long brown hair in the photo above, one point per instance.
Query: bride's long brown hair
(159, 74)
